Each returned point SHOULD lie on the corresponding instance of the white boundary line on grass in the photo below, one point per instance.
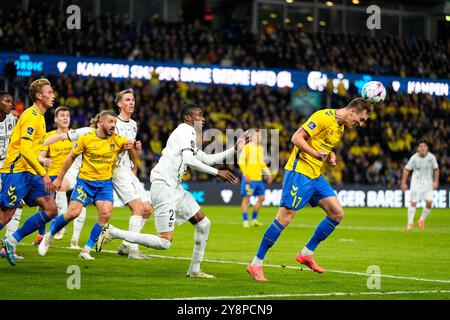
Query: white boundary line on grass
(281, 266)
(324, 294)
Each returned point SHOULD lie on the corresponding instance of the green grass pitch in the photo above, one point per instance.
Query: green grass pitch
(413, 265)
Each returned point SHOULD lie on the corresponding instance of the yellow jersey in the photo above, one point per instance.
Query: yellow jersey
(251, 161)
(57, 152)
(98, 155)
(324, 134)
(31, 126)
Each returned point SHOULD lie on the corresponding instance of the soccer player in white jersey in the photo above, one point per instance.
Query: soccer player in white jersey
(173, 204)
(7, 124)
(425, 179)
(125, 182)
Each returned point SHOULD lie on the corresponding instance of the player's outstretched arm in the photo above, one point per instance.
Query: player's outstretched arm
(56, 185)
(190, 160)
(212, 159)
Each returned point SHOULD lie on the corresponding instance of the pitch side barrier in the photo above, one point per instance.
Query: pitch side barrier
(215, 193)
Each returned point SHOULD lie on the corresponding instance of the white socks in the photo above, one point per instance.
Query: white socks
(148, 240)
(78, 225)
(61, 202)
(200, 238)
(306, 252)
(411, 214)
(13, 225)
(425, 213)
(257, 262)
(134, 225)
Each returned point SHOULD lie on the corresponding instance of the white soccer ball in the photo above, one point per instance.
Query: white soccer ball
(373, 92)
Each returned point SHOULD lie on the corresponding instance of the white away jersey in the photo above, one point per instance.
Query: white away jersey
(6, 128)
(422, 168)
(126, 129)
(170, 167)
(73, 135)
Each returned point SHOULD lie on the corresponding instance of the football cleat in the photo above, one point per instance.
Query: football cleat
(256, 223)
(123, 250)
(85, 255)
(9, 251)
(37, 240)
(60, 234)
(245, 224)
(309, 262)
(257, 273)
(199, 274)
(421, 224)
(410, 226)
(45, 244)
(16, 256)
(103, 238)
(74, 244)
(137, 256)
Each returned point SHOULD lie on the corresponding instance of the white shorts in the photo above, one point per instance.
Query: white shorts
(127, 186)
(171, 205)
(71, 177)
(418, 195)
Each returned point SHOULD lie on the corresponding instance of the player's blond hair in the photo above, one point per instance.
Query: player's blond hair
(36, 87)
(94, 121)
(120, 94)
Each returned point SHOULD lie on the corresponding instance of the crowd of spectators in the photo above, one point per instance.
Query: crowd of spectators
(44, 29)
(375, 154)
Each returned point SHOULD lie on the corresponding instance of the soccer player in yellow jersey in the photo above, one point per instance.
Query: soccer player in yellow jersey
(99, 149)
(23, 177)
(57, 154)
(313, 143)
(251, 162)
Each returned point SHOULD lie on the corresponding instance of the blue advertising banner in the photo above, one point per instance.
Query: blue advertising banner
(247, 77)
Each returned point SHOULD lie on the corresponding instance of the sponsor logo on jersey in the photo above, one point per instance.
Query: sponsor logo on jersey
(30, 130)
(312, 125)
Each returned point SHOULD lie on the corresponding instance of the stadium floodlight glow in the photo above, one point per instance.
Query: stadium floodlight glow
(287, 20)
(355, 1)
(273, 15)
(300, 25)
(447, 18)
(322, 23)
(309, 18)
(289, 1)
(264, 22)
(329, 3)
